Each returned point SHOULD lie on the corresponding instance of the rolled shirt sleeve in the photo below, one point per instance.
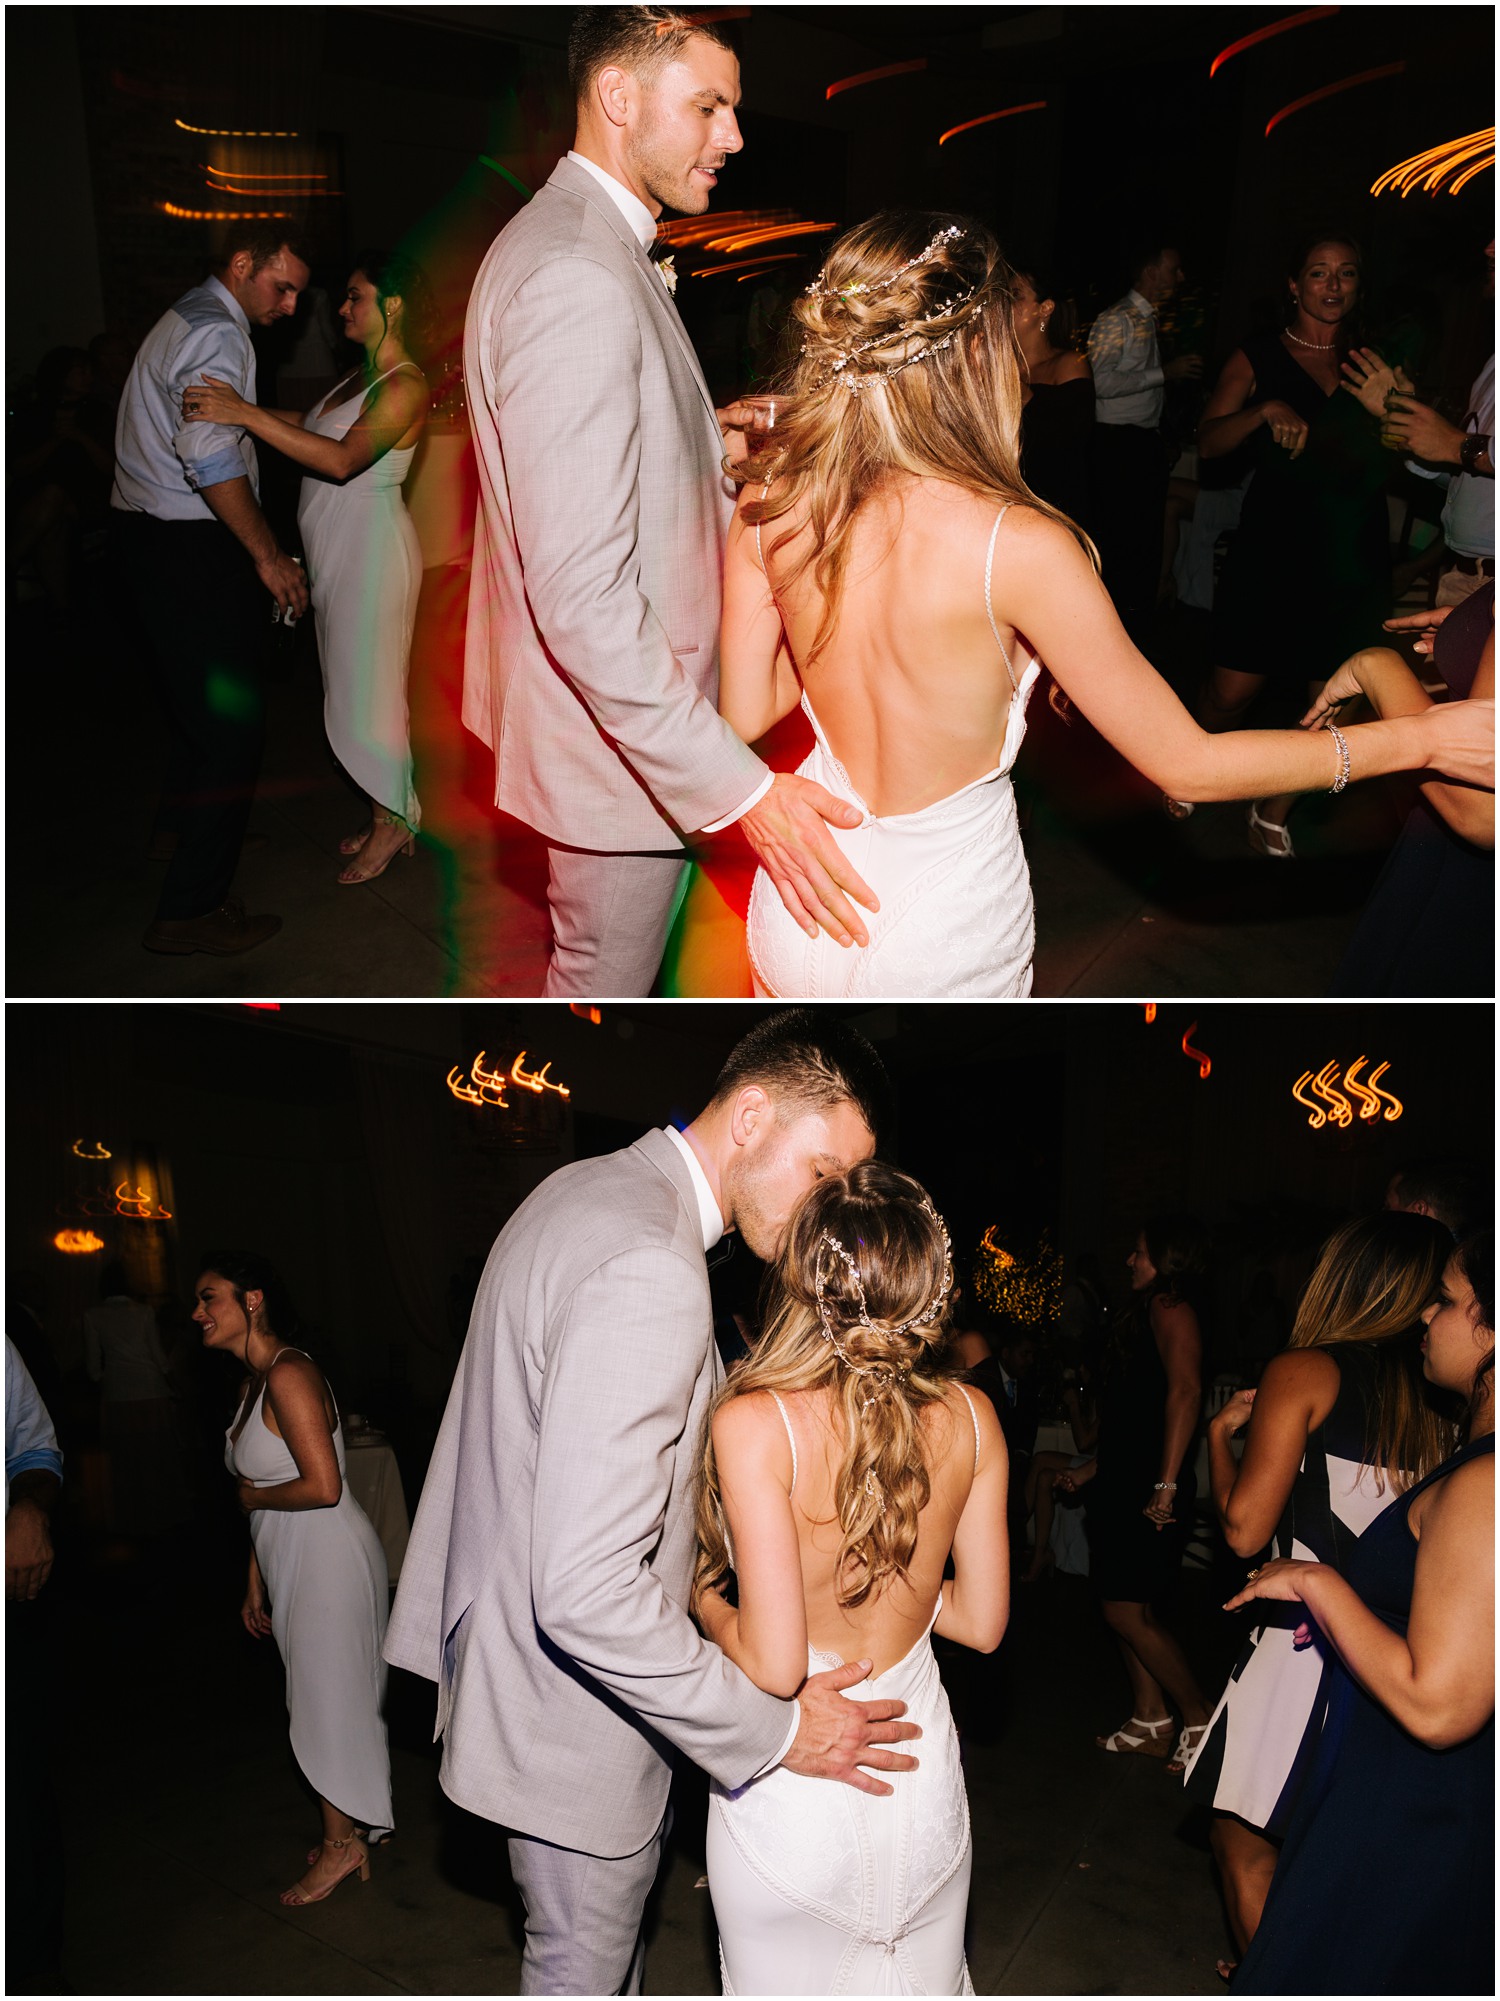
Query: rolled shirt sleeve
(210, 453)
(30, 1440)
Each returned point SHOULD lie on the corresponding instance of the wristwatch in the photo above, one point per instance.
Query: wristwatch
(1476, 446)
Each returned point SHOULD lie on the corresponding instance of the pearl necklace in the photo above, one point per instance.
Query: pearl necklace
(1317, 346)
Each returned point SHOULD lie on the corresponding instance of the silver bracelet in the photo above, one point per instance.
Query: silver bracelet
(1165, 1483)
(1341, 745)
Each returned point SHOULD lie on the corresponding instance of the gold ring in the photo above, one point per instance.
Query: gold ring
(1254, 1573)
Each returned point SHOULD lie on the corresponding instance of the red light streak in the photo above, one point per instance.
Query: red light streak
(1197, 1056)
(1011, 111)
(1150, 1007)
(702, 20)
(1332, 90)
(1265, 34)
(873, 76)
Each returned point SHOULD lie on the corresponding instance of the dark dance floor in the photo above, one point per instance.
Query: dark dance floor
(1128, 903)
(184, 1814)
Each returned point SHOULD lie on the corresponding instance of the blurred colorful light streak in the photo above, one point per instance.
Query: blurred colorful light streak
(227, 214)
(693, 230)
(775, 234)
(1265, 34)
(874, 76)
(1332, 90)
(223, 132)
(1011, 111)
(1471, 155)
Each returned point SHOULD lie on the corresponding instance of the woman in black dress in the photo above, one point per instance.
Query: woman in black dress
(1140, 1488)
(1428, 929)
(1304, 582)
(1386, 1883)
(1337, 1428)
(1057, 415)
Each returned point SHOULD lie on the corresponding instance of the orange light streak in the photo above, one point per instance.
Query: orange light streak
(311, 194)
(1150, 1007)
(1011, 111)
(102, 1151)
(1369, 1101)
(1318, 1116)
(694, 229)
(702, 20)
(1325, 1086)
(1473, 154)
(1265, 34)
(749, 265)
(221, 132)
(775, 234)
(1393, 1105)
(1197, 1056)
(1332, 90)
(222, 171)
(585, 1012)
(873, 76)
(227, 214)
(76, 1241)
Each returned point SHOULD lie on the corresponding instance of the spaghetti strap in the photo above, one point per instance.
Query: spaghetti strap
(989, 564)
(789, 1439)
(973, 1414)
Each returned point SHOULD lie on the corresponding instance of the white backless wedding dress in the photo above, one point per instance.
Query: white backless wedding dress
(955, 919)
(819, 1888)
(364, 571)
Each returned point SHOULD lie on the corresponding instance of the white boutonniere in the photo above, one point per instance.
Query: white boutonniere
(666, 269)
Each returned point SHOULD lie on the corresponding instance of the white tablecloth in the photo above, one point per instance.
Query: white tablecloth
(375, 1482)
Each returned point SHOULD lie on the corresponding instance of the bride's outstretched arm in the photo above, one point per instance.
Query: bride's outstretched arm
(976, 1602)
(1045, 586)
(757, 682)
(766, 1635)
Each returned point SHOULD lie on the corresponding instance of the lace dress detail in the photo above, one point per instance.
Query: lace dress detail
(955, 919)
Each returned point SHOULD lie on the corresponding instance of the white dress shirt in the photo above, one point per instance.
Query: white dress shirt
(643, 222)
(161, 460)
(1127, 366)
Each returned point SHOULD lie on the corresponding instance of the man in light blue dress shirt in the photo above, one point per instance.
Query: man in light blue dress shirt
(197, 549)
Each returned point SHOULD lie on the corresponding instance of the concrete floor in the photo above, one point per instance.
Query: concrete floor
(185, 1815)
(1128, 904)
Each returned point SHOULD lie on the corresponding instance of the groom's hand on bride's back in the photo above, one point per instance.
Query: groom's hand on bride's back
(836, 1736)
(811, 872)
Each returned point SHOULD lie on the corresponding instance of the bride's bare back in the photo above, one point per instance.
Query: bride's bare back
(911, 689)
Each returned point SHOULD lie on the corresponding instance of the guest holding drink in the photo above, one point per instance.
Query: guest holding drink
(1305, 580)
(364, 559)
(1386, 1884)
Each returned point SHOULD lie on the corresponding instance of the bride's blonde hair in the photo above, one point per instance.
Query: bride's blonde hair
(908, 363)
(858, 1305)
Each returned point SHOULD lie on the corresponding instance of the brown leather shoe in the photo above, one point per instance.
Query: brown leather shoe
(221, 931)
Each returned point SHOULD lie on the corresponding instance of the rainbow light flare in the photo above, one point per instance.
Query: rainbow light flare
(1332, 90)
(1265, 34)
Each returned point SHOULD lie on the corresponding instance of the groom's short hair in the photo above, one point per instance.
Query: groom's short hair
(802, 1058)
(642, 40)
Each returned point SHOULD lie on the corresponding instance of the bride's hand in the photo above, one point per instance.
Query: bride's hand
(836, 1737)
(213, 402)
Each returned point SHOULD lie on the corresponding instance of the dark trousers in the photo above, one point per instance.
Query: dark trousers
(204, 614)
(1130, 503)
(33, 1827)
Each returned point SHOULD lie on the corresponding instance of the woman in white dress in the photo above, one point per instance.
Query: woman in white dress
(888, 566)
(318, 1578)
(842, 1466)
(364, 561)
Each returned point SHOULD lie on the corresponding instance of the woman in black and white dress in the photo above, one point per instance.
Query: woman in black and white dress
(1335, 1431)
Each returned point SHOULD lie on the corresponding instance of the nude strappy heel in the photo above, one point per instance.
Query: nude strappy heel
(359, 1860)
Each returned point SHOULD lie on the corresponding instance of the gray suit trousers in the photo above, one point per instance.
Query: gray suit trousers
(610, 919)
(583, 1916)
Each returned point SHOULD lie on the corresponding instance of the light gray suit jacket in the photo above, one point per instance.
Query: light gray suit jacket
(553, 1548)
(592, 660)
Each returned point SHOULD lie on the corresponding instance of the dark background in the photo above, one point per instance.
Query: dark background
(325, 1136)
(395, 105)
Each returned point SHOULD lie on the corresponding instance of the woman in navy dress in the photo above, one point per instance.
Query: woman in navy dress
(1386, 1883)
(1337, 1428)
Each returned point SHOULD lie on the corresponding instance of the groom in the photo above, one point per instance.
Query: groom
(591, 667)
(553, 1549)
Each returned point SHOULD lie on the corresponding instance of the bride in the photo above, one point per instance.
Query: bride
(841, 1468)
(888, 566)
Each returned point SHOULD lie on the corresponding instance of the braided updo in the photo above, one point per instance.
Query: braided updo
(859, 1307)
(908, 363)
